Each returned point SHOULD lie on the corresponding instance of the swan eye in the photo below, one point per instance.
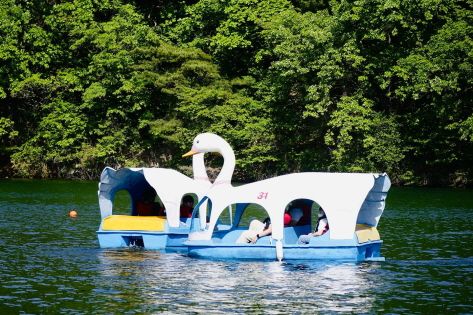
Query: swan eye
(197, 141)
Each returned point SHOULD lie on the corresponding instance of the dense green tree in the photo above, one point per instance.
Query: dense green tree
(124, 97)
(332, 66)
(370, 85)
(228, 30)
(429, 88)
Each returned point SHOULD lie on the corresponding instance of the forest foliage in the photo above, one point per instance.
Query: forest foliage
(302, 85)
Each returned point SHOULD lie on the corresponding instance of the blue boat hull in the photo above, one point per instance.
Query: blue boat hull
(171, 239)
(224, 245)
(169, 242)
(359, 252)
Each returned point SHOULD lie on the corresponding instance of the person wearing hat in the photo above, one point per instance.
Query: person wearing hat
(320, 229)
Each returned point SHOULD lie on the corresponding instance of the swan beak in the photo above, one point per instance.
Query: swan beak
(190, 153)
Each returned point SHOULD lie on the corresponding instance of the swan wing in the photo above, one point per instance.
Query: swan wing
(339, 194)
(171, 185)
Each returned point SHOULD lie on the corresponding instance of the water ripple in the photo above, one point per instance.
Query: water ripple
(52, 264)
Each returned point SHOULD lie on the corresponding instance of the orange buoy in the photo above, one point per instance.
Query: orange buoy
(73, 213)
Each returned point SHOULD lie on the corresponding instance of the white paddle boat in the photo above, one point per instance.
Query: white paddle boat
(353, 204)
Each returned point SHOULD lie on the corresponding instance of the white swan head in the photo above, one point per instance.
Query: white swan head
(208, 142)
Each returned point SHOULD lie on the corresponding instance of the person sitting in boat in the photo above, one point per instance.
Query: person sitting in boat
(147, 206)
(305, 206)
(320, 229)
(187, 206)
(293, 215)
(258, 229)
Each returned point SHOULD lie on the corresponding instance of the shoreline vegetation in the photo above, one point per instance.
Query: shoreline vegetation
(293, 86)
(452, 182)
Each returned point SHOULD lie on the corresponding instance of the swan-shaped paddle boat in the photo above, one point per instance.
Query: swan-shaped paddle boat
(161, 231)
(353, 204)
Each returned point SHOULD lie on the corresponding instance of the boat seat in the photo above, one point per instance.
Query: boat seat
(133, 223)
(265, 240)
(320, 240)
(366, 233)
(292, 233)
(230, 236)
(233, 235)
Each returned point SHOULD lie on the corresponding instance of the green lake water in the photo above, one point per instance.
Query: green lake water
(50, 263)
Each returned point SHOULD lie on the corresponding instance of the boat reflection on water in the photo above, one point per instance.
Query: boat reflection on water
(328, 286)
(153, 281)
(346, 288)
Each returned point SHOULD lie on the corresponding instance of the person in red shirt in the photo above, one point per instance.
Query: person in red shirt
(187, 206)
(147, 206)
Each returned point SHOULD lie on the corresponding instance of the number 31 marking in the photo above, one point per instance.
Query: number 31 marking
(262, 195)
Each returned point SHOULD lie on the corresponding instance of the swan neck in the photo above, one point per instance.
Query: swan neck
(225, 176)
(198, 167)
